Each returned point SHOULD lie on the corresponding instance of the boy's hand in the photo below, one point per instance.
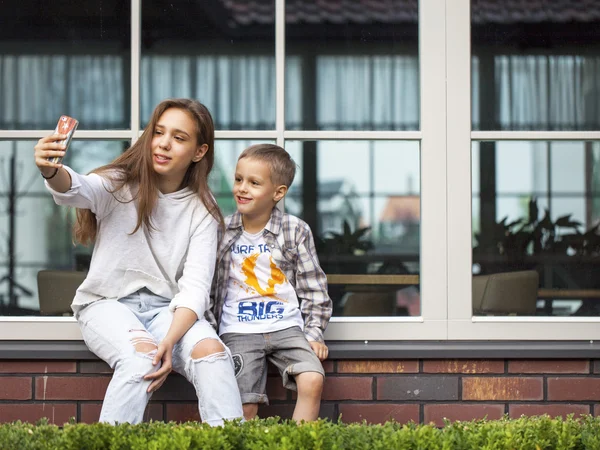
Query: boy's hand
(320, 349)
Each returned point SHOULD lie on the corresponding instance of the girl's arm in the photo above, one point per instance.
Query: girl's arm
(198, 270)
(67, 186)
(193, 298)
(48, 147)
(183, 319)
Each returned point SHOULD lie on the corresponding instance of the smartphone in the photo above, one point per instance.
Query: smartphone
(66, 125)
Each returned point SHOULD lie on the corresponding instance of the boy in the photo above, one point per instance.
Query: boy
(269, 292)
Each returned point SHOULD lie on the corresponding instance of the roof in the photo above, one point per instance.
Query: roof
(364, 21)
(401, 208)
(245, 12)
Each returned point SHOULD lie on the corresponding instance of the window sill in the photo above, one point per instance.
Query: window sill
(356, 350)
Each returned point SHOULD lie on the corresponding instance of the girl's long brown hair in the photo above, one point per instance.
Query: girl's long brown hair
(134, 168)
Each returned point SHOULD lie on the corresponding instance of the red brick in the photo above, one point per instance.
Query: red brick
(436, 413)
(18, 367)
(348, 388)
(284, 411)
(553, 410)
(70, 388)
(502, 388)
(182, 412)
(379, 413)
(15, 388)
(378, 366)
(94, 367)
(90, 412)
(275, 389)
(597, 409)
(417, 388)
(549, 366)
(573, 389)
(463, 366)
(57, 413)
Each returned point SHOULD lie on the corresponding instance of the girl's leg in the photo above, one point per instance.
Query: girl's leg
(203, 359)
(114, 333)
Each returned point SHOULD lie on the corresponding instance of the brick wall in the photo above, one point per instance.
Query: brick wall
(418, 390)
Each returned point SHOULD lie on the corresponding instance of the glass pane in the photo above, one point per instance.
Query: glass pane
(57, 58)
(221, 53)
(535, 66)
(536, 213)
(362, 201)
(352, 65)
(35, 233)
(222, 174)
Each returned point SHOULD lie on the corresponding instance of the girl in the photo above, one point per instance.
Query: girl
(153, 221)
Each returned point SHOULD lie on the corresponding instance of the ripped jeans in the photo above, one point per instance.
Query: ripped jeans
(111, 329)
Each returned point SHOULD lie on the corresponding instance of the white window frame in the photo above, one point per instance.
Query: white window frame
(434, 268)
(461, 322)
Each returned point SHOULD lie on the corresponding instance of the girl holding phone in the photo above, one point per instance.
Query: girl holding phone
(153, 222)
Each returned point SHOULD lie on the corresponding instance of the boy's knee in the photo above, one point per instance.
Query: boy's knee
(309, 383)
(250, 410)
(207, 347)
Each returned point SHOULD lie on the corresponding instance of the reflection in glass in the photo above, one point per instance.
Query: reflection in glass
(362, 201)
(37, 234)
(352, 67)
(227, 62)
(529, 67)
(535, 208)
(58, 59)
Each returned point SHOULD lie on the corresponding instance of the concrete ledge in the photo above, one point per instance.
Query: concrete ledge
(339, 350)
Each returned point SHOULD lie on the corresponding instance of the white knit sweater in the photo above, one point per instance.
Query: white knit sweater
(175, 260)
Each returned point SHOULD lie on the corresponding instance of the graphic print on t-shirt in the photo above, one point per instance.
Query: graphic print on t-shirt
(259, 295)
(249, 269)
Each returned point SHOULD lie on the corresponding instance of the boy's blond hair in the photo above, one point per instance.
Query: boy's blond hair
(283, 167)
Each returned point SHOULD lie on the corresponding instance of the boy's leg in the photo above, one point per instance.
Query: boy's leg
(308, 403)
(300, 369)
(113, 332)
(204, 361)
(250, 362)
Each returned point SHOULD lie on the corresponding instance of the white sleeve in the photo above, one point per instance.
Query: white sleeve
(87, 192)
(198, 269)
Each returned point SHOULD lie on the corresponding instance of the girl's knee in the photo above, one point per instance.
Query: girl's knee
(143, 342)
(207, 347)
(137, 363)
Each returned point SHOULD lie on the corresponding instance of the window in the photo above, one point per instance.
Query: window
(418, 127)
(530, 159)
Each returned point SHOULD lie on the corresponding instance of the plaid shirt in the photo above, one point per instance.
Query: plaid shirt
(293, 250)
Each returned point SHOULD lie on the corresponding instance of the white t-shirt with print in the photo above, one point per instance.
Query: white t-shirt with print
(260, 299)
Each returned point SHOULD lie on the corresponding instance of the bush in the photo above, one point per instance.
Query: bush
(526, 433)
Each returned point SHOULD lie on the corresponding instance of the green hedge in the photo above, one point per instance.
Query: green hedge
(526, 433)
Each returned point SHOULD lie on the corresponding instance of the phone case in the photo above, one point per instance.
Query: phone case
(66, 125)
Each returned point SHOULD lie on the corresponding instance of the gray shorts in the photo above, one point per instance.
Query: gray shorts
(287, 349)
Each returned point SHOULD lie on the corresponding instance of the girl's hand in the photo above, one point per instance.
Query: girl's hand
(164, 353)
(320, 349)
(47, 147)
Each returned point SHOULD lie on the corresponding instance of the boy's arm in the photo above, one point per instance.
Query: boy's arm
(311, 287)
